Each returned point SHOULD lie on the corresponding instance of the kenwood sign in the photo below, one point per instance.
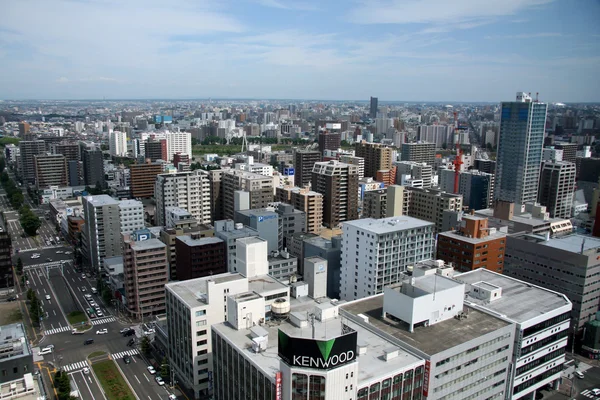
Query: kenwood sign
(317, 354)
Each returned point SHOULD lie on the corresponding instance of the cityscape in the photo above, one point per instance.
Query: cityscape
(232, 234)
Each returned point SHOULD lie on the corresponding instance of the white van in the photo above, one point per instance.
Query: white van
(94, 290)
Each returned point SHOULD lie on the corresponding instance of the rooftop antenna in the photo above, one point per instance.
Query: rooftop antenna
(311, 316)
(582, 245)
(536, 97)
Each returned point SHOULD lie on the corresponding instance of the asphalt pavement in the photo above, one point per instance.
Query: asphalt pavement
(86, 385)
(141, 380)
(53, 319)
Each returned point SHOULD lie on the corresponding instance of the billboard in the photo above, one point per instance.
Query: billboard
(426, 378)
(317, 354)
(278, 390)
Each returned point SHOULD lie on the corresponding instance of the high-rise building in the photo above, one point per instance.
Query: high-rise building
(488, 166)
(178, 142)
(145, 273)
(304, 161)
(93, 168)
(197, 258)
(420, 152)
(181, 159)
(430, 204)
(187, 190)
(373, 107)
(376, 155)
(266, 222)
(156, 150)
(311, 203)
(28, 149)
(291, 220)
(50, 170)
(375, 204)
(473, 246)
(143, 179)
(131, 216)
(557, 188)
(244, 190)
(71, 153)
(413, 172)
(569, 151)
(24, 128)
(358, 161)
(330, 250)
(477, 189)
(338, 183)
(377, 252)
(101, 235)
(520, 145)
(229, 231)
(117, 143)
(6, 264)
(329, 140)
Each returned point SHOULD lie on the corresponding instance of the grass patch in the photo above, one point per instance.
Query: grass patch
(15, 317)
(77, 318)
(97, 354)
(230, 149)
(112, 381)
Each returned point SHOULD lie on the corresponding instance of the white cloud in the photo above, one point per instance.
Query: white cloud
(527, 35)
(287, 5)
(62, 79)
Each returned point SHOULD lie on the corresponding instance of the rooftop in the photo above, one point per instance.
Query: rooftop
(177, 211)
(573, 243)
(520, 301)
(25, 388)
(130, 203)
(257, 212)
(13, 341)
(148, 244)
(387, 225)
(245, 174)
(101, 200)
(191, 291)
(265, 284)
(245, 231)
(199, 242)
(463, 238)
(427, 338)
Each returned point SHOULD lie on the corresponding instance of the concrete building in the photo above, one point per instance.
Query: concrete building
(156, 150)
(101, 235)
(93, 168)
(197, 258)
(17, 359)
(541, 320)
(24, 129)
(229, 232)
(567, 265)
(267, 224)
(415, 171)
(253, 191)
(377, 252)
(309, 202)
(6, 263)
(178, 142)
(146, 272)
(291, 221)
(473, 246)
(477, 189)
(143, 179)
(189, 227)
(50, 170)
(519, 154)
(304, 161)
(488, 166)
(117, 143)
(338, 183)
(420, 152)
(376, 155)
(187, 190)
(358, 161)
(27, 152)
(569, 151)
(282, 265)
(397, 201)
(375, 204)
(131, 216)
(373, 108)
(430, 204)
(557, 188)
(331, 251)
(329, 140)
(216, 193)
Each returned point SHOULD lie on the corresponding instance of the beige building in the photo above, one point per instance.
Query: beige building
(254, 191)
(50, 170)
(377, 157)
(430, 204)
(338, 183)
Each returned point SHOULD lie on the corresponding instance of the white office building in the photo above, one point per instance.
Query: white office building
(131, 214)
(377, 252)
(178, 142)
(187, 190)
(117, 144)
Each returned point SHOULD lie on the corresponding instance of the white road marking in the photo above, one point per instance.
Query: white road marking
(136, 378)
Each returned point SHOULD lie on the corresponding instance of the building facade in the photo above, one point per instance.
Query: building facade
(557, 188)
(253, 191)
(304, 161)
(28, 150)
(50, 170)
(101, 235)
(143, 179)
(197, 258)
(93, 168)
(420, 152)
(187, 190)
(338, 183)
(376, 155)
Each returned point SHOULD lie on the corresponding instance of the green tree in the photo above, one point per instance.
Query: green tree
(107, 296)
(164, 368)
(145, 345)
(30, 223)
(30, 293)
(194, 141)
(35, 310)
(2, 164)
(444, 145)
(4, 178)
(16, 199)
(19, 266)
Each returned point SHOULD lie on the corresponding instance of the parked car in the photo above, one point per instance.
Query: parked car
(76, 332)
(131, 342)
(99, 313)
(596, 392)
(129, 332)
(94, 290)
(102, 331)
(122, 331)
(151, 370)
(159, 380)
(11, 299)
(50, 346)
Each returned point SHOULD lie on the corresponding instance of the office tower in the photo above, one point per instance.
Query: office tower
(216, 193)
(187, 190)
(101, 235)
(24, 128)
(6, 264)
(411, 173)
(291, 220)
(156, 150)
(358, 161)
(117, 143)
(229, 232)
(569, 151)
(373, 107)
(377, 252)
(487, 166)
(131, 216)
(71, 153)
(418, 152)
(329, 140)
(519, 155)
(311, 203)
(375, 204)
(253, 191)
(430, 204)
(143, 179)
(557, 188)
(178, 142)
(145, 273)
(376, 156)
(477, 189)
(93, 168)
(28, 150)
(266, 223)
(50, 170)
(338, 183)
(304, 161)
(197, 258)
(473, 246)
(566, 264)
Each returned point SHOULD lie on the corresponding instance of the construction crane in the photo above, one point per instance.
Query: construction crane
(458, 158)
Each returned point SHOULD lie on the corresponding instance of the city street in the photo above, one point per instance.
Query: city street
(141, 380)
(86, 385)
(54, 319)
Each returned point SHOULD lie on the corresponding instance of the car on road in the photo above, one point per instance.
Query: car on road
(87, 296)
(127, 359)
(596, 392)
(82, 276)
(45, 350)
(130, 332)
(48, 259)
(131, 342)
(93, 303)
(83, 289)
(76, 332)
(11, 299)
(86, 370)
(99, 313)
(122, 331)
(102, 331)
(47, 297)
(88, 341)
(50, 346)
(94, 290)
(59, 252)
(68, 252)
(159, 380)
(172, 397)
(151, 370)
(34, 256)
(579, 374)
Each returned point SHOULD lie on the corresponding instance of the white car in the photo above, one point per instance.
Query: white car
(99, 313)
(160, 381)
(45, 350)
(68, 252)
(596, 392)
(48, 297)
(102, 331)
(151, 370)
(59, 252)
(172, 397)
(88, 296)
(83, 289)
(35, 256)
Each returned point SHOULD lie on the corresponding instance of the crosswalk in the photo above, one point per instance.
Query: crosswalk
(103, 321)
(588, 393)
(42, 265)
(76, 366)
(132, 352)
(57, 330)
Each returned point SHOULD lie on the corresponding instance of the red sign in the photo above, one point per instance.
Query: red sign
(278, 379)
(426, 378)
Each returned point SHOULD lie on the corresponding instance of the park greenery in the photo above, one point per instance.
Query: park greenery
(29, 220)
(62, 383)
(112, 381)
(13, 193)
(35, 307)
(145, 345)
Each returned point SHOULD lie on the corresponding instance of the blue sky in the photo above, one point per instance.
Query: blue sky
(412, 50)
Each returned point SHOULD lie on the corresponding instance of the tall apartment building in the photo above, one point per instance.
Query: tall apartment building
(146, 272)
(420, 152)
(477, 189)
(373, 108)
(488, 166)
(28, 149)
(474, 245)
(101, 234)
(304, 161)
(414, 171)
(131, 216)
(541, 320)
(93, 167)
(143, 179)
(6, 264)
(216, 193)
(338, 183)
(156, 150)
(117, 143)
(291, 220)
(197, 258)
(24, 128)
(329, 140)
(50, 170)
(567, 265)
(519, 154)
(254, 191)
(311, 203)
(557, 188)
(229, 232)
(375, 204)
(377, 252)
(376, 155)
(358, 161)
(71, 153)
(430, 204)
(330, 250)
(569, 151)
(178, 142)
(187, 190)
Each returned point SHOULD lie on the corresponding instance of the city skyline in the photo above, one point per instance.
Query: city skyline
(464, 51)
